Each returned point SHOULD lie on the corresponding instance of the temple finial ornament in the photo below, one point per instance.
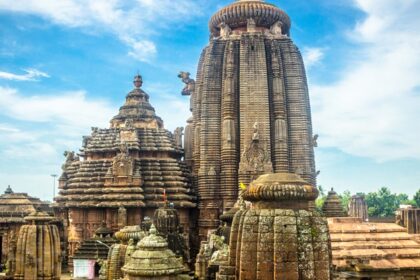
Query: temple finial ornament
(138, 81)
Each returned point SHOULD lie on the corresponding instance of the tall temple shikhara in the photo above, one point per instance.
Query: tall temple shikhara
(250, 106)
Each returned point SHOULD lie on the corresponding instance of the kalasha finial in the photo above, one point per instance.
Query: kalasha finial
(138, 81)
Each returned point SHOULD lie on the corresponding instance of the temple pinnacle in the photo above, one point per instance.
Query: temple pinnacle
(138, 81)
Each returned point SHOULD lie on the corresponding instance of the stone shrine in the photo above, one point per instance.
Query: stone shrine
(14, 207)
(250, 107)
(123, 173)
(279, 237)
(38, 254)
(153, 260)
(332, 206)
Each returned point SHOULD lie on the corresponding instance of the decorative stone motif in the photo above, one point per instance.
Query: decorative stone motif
(332, 206)
(279, 237)
(38, 254)
(153, 260)
(189, 83)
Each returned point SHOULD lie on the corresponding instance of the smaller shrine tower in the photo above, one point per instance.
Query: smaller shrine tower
(123, 173)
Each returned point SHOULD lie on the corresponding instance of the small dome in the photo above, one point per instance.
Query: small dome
(236, 15)
(280, 187)
(153, 258)
(130, 232)
(103, 231)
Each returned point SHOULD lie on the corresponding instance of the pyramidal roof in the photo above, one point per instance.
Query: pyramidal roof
(137, 111)
(132, 164)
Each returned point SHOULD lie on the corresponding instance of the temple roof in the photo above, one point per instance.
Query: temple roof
(137, 111)
(236, 15)
(131, 164)
(361, 247)
(15, 206)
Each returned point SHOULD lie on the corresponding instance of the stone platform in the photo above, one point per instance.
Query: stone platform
(373, 250)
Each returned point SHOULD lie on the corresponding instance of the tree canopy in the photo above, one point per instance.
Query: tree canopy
(382, 203)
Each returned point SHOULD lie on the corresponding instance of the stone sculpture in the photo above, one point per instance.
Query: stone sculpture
(189, 83)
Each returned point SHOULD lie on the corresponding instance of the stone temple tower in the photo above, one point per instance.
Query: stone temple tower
(251, 112)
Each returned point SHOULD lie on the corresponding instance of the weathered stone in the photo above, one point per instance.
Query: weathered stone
(250, 107)
(126, 172)
(38, 253)
(358, 207)
(332, 206)
(289, 245)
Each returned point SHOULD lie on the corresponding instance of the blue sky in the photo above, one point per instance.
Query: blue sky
(66, 66)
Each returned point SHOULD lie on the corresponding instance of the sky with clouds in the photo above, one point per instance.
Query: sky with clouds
(66, 66)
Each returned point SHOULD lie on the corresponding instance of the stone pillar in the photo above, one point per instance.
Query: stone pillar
(412, 220)
(230, 96)
(38, 254)
(358, 208)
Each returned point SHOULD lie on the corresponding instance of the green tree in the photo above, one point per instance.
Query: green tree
(416, 198)
(383, 203)
(345, 199)
(319, 202)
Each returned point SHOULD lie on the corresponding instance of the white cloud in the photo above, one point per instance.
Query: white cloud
(312, 56)
(30, 75)
(131, 21)
(373, 109)
(69, 108)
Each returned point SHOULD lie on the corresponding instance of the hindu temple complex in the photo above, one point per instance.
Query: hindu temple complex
(230, 197)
